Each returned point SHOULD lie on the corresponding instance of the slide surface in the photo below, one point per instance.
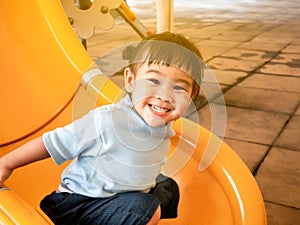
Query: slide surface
(42, 62)
(41, 66)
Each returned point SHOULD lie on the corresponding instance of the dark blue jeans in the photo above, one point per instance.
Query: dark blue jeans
(129, 208)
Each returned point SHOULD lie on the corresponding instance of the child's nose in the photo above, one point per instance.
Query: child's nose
(165, 93)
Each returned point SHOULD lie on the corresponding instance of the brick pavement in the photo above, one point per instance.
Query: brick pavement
(253, 49)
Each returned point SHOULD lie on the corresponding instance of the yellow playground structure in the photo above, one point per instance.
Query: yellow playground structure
(42, 65)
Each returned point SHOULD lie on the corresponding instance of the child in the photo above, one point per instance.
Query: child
(118, 150)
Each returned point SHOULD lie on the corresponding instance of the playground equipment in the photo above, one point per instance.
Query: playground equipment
(85, 16)
(42, 65)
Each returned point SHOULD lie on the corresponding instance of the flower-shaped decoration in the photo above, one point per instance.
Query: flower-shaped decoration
(86, 20)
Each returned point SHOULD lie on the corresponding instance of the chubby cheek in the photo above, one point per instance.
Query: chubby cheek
(141, 90)
(140, 102)
(141, 107)
(182, 103)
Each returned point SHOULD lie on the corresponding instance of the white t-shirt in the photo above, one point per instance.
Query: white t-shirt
(113, 151)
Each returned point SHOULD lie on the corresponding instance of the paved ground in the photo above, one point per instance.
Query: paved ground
(253, 48)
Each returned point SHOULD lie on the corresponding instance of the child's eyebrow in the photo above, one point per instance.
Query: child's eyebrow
(153, 71)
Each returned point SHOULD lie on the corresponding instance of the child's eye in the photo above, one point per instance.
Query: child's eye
(179, 88)
(154, 81)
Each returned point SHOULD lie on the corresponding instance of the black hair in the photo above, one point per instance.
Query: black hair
(168, 49)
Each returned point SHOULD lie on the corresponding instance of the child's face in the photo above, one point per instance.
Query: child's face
(160, 93)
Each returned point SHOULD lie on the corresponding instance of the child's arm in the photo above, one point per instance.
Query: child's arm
(30, 152)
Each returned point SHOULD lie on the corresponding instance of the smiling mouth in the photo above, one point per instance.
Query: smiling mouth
(159, 109)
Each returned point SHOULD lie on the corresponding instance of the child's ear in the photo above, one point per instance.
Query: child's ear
(195, 92)
(128, 79)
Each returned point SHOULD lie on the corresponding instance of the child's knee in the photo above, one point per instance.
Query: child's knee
(155, 218)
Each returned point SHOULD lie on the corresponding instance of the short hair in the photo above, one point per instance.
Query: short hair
(169, 49)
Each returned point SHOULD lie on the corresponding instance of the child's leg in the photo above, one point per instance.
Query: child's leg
(132, 208)
(155, 218)
(167, 192)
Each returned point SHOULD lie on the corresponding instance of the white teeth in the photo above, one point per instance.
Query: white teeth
(159, 109)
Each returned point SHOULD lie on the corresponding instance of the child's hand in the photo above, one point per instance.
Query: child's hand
(5, 172)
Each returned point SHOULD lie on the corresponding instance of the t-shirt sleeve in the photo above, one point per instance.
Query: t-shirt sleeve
(66, 143)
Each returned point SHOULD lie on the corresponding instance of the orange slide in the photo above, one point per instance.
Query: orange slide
(42, 63)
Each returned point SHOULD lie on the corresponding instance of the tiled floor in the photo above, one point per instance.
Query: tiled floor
(253, 48)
